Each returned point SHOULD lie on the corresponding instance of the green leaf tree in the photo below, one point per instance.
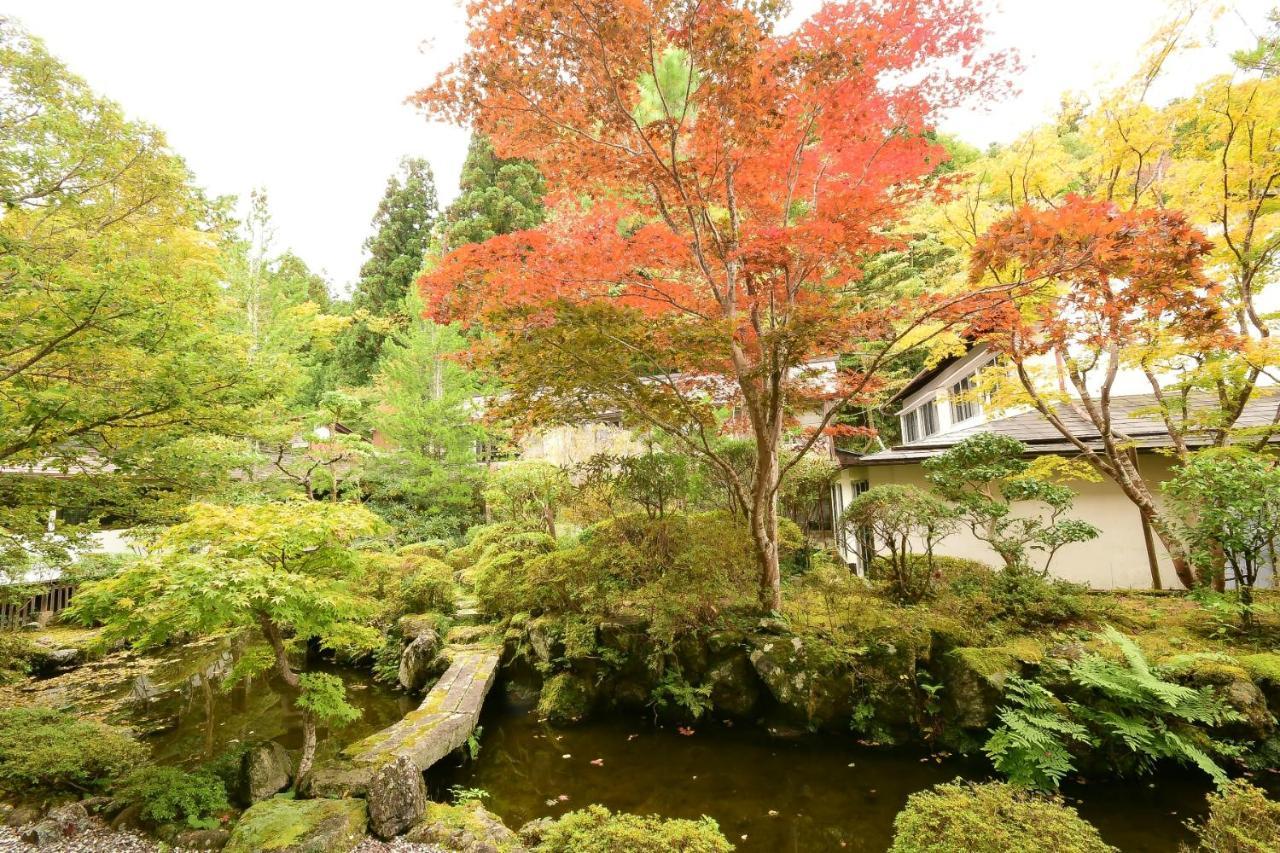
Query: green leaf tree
(1231, 500)
(497, 196)
(987, 477)
(402, 233)
(291, 571)
(906, 523)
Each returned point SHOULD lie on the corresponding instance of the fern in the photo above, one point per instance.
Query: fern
(1126, 710)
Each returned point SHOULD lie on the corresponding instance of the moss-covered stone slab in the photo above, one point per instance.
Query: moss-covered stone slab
(445, 719)
(300, 826)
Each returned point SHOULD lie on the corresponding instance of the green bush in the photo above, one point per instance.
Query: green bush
(170, 795)
(16, 651)
(436, 549)
(428, 587)
(44, 751)
(993, 818)
(596, 830)
(1241, 820)
(978, 594)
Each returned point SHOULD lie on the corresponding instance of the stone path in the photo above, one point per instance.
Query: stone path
(445, 719)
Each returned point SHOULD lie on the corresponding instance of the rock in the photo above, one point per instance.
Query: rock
(466, 828)
(465, 635)
(397, 798)
(973, 680)
(812, 691)
(735, 689)
(1256, 722)
(201, 839)
(129, 817)
(279, 825)
(339, 781)
(421, 661)
(532, 832)
(47, 660)
(63, 822)
(544, 640)
(21, 815)
(265, 771)
(566, 699)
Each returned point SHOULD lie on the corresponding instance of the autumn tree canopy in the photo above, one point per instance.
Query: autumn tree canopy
(718, 183)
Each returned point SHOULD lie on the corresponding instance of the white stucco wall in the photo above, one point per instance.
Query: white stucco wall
(1116, 559)
(568, 446)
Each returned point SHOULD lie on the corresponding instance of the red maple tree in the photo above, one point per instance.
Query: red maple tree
(719, 183)
(1094, 290)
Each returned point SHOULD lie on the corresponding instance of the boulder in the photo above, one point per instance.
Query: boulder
(1256, 722)
(531, 833)
(201, 839)
(397, 798)
(973, 684)
(280, 825)
(422, 661)
(465, 828)
(21, 815)
(566, 699)
(65, 821)
(339, 781)
(735, 689)
(810, 689)
(265, 770)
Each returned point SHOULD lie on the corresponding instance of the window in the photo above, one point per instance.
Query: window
(963, 404)
(920, 422)
(910, 430)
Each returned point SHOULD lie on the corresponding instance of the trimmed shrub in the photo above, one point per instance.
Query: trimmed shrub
(961, 817)
(16, 652)
(43, 751)
(1241, 820)
(429, 587)
(597, 830)
(171, 795)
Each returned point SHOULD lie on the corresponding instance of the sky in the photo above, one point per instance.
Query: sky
(306, 98)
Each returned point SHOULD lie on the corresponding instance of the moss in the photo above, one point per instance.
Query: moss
(1241, 820)
(1263, 667)
(991, 818)
(597, 830)
(1202, 668)
(993, 664)
(466, 826)
(300, 826)
(566, 699)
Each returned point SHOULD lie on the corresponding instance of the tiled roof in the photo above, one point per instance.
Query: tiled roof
(1133, 416)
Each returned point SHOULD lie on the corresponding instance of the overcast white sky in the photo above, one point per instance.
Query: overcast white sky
(307, 98)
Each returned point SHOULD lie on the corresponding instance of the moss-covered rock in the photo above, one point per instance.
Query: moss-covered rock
(1264, 669)
(566, 699)
(973, 680)
(464, 828)
(809, 679)
(300, 826)
(735, 688)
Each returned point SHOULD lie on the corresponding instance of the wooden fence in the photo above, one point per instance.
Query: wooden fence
(38, 608)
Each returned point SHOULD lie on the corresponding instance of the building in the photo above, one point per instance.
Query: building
(938, 409)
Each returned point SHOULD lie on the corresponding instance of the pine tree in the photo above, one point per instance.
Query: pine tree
(497, 197)
(402, 232)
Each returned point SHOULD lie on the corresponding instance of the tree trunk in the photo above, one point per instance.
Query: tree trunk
(764, 523)
(302, 783)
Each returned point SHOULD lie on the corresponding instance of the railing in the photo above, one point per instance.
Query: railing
(38, 608)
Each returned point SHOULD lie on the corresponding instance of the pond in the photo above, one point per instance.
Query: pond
(768, 794)
(175, 699)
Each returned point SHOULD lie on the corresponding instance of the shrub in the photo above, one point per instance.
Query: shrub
(993, 818)
(44, 751)
(980, 595)
(16, 652)
(436, 549)
(983, 477)
(429, 587)
(171, 795)
(528, 493)
(900, 521)
(1241, 820)
(597, 830)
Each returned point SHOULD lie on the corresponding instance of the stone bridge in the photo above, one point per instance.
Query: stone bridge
(445, 719)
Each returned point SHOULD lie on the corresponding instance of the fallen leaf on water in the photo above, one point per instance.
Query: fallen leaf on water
(564, 798)
(773, 812)
(598, 762)
(566, 755)
(632, 737)
(684, 730)
(551, 802)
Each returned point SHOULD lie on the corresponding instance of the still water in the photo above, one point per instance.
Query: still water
(798, 795)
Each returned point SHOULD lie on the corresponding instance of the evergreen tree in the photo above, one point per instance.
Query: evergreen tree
(497, 197)
(402, 232)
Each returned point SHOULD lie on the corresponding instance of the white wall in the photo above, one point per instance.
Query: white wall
(1116, 559)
